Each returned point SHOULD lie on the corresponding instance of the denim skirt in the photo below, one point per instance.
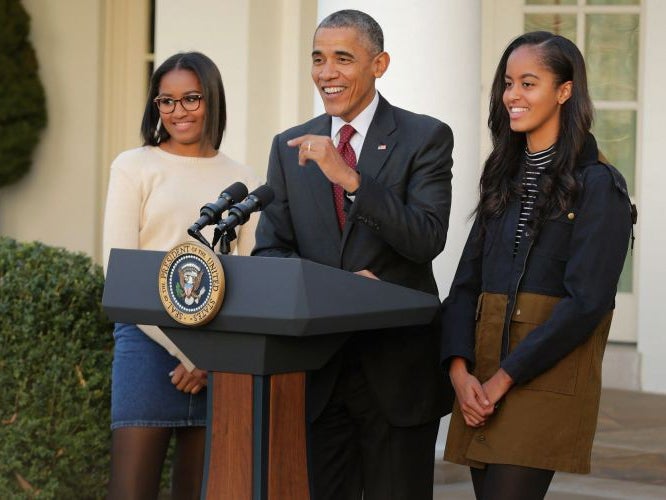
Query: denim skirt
(142, 394)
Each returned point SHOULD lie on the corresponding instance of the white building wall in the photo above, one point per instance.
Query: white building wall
(651, 246)
(57, 201)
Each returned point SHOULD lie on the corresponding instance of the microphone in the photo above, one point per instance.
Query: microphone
(212, 212)
(240, 212)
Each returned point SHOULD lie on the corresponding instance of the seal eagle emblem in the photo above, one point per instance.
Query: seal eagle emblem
(191, 283)
(189, 286)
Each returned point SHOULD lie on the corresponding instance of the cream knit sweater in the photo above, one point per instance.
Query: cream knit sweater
(154, 196)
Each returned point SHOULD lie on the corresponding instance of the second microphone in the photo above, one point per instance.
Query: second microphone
(211, 213)
(240, 212)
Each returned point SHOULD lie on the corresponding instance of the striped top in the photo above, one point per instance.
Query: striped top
(535, 165)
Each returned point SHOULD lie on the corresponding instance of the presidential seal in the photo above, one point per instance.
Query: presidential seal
(191, 283)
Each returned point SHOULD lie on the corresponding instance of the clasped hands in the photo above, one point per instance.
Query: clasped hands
(320, 149)
(477, 401)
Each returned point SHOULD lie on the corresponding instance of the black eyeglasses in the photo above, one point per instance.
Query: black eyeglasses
(190, 102)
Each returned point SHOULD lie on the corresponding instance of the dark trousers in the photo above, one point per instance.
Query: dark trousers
(355, 452)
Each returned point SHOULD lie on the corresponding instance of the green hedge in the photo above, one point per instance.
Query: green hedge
(55, 365)
(22, 100)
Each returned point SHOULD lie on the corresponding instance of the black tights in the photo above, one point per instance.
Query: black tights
(137, 457)
(510, 482)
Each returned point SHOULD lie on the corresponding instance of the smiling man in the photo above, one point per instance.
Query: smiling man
(366, 187)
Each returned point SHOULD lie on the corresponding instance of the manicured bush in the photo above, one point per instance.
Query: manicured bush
(22, 101)
(55, 365)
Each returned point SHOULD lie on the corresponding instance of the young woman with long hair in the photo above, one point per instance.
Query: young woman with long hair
(528, 315)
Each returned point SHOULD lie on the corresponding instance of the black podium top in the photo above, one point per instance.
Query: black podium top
(270, 296)
(268, 302)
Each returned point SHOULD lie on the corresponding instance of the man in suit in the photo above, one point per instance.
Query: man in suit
(374, 409)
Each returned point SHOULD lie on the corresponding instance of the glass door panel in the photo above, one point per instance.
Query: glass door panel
(608, 34)
(560, 24)
(611, 55)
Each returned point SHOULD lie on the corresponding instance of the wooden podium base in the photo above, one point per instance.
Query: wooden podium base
(255, 438)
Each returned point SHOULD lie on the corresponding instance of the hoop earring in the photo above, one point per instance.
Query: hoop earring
(157, 135)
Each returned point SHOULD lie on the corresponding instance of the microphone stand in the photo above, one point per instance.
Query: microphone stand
(225, 237)
(196, 234)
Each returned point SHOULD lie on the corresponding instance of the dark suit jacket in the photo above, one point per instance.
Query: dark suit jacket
(395, 227)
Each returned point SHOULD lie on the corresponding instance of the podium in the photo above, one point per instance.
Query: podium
(280, 318)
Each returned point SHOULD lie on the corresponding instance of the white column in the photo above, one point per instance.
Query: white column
(651, 268)
(123, 89)
(435, 50)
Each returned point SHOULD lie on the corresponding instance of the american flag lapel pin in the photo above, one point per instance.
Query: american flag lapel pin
(381, 147)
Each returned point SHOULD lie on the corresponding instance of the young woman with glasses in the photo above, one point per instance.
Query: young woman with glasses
(155, 192)
(526, 322)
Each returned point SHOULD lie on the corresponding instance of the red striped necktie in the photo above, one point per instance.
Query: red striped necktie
(347, 152)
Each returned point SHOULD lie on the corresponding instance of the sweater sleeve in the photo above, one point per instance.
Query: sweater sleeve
(122, 219)
(160, 337)
(459, 309)
(123, 211)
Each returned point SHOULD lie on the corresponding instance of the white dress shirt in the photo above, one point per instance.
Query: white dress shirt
(361, 124)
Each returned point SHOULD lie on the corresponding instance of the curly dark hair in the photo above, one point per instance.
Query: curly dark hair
(500, 181)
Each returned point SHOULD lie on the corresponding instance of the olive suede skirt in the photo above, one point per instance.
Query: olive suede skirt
(547, 423)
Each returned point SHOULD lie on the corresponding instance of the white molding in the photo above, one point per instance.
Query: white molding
(585, 9)
(126, 31)
(617, 105)
(651, 267)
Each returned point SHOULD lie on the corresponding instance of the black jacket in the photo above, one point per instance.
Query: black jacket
(395, 227)
(577, 256)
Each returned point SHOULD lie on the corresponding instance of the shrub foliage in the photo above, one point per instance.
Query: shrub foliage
(55, 364)
(22, 101)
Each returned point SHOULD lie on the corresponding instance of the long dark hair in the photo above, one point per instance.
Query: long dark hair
(215, 119)
(499, 180)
